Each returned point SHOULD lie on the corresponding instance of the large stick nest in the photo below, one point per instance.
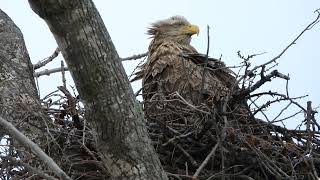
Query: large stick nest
(193, 142)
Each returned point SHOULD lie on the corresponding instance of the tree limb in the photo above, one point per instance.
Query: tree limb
(26, 142)
(47, 60)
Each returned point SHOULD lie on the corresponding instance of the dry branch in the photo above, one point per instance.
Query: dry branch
(309, 27)
(27, 143)
(264, 79)
(49, 71)
(135, 57)
(47, 60)
(62, 69)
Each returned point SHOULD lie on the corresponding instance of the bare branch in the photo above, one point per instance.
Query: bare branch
(27, 143)
(206, 60)
(55, 70)
(47, 60)
(264, 79)
(49, 71)
(284, 97)
(63, 73)
(35, 170)
(204, 163)
(135, 57)
(309, 27)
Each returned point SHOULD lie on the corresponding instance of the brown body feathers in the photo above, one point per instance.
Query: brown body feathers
(175, 68)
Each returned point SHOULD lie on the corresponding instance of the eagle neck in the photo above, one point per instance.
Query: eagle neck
(157, 42)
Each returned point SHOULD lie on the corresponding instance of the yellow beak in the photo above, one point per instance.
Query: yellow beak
(191, 29)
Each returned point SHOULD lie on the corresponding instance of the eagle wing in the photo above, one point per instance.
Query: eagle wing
(175, 68)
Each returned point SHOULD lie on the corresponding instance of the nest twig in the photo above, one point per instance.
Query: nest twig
(190, 145)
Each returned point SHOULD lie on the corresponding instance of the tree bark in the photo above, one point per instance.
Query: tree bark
(20, 105)
(19, 102)
(111, 108)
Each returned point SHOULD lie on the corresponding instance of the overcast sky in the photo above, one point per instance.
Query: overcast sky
(250, 26)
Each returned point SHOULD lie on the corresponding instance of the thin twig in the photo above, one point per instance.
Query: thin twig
(192, 161)
(49, 71)
(47, 60)
(177, 137)
(309, 27)
(264, 79)
(27, 143)
(204, 163)
(63, 73)
(308, 128)
(35, 170)
(135, 57)
(206, 60)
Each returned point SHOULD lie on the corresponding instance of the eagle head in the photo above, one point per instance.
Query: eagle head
(175, 28)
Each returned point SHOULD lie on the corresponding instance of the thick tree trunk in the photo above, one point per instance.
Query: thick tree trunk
(100, 78)
(19, 102)
(20, 105)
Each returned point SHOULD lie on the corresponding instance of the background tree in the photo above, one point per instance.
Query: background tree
(19, 104)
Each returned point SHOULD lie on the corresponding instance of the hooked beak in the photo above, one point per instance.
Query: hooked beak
(191, 29)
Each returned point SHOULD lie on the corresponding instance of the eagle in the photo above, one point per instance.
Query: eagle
(192, 101)
(176, 77)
